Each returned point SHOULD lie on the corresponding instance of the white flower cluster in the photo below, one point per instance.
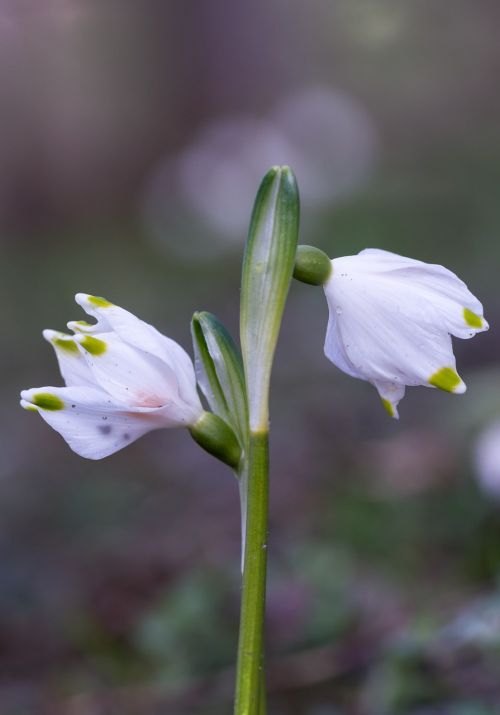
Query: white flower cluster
(391, 322)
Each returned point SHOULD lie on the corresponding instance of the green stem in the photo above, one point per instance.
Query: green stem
(250, 688)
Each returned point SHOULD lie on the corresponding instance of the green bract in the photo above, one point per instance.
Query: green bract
(267, 272)
(219, 371)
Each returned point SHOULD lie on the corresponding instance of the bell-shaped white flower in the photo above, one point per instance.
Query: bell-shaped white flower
(123, 379)
(391, 321)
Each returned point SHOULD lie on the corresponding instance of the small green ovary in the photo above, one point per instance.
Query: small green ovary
(47, 401)
(99, 302)
(66, 344)
(92, 345)
(472, 319)
(446, 379)
(388, 407)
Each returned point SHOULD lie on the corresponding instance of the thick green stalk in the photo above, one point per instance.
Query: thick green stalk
(250, 688)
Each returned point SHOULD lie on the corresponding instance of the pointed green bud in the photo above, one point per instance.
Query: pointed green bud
(267, 272)
(312, 266)
(217, 438)
(219, 370)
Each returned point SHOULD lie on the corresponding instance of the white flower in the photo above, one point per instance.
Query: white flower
(391, 321)
(123, 379)
(486, 457)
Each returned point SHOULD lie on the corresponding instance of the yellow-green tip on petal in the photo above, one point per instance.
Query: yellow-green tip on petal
(82, 324)
(61, 340)
(389, 408)
(447, 379)
(47, 401)
(66, 344)
(92, 345)
(99, 302)
(472, 319)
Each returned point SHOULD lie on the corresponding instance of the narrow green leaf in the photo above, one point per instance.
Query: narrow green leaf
(219, 371)
(267, 272)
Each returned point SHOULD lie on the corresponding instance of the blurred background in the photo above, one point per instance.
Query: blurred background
(132, 140)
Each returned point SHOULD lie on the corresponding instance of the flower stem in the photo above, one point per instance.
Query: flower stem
(250, 685)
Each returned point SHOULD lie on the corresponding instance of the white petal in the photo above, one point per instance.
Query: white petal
(28, 406)
(377, 260)
(93, 425)
(459, 311)
(136, 378)
(141, 335)
(72, 364)
(390, 394)
(335, 349)
(82, 326)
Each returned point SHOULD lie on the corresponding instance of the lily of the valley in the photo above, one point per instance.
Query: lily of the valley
(391, 321)
(123, 379)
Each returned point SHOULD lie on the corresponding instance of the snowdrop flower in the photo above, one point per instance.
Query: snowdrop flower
(123, 379)
(391, 321)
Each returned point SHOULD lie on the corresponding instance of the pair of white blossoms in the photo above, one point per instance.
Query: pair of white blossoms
(391, 321)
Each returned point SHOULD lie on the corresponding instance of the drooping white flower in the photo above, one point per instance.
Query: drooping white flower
(123, 379)
(391, 321)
